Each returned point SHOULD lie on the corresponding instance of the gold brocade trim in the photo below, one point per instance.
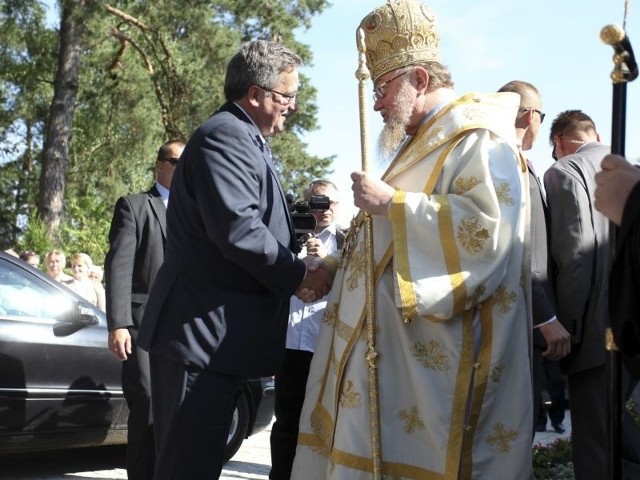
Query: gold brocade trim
(408, 301)
(460, 396)
(379, 270)
(480, 378)
(322, 441)
(451, 256)
(401, 252)
(390, 470)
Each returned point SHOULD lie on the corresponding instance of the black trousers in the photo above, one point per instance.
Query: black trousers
(192, 409)
(136, 385)
(553, 382)
(588, 394)
(290, 385)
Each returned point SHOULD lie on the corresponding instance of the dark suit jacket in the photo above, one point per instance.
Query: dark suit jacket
(136, 250)
(624, 286)
(542, 287)
(221, 298)
(580, 251)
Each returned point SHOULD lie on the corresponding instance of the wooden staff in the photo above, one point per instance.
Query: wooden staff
(362, 74)
(625, 70)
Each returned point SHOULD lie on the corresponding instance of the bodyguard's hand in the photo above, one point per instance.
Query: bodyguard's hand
(558, 340)
(317, 282)
(371, 194)
(614, 184)
(120, 343)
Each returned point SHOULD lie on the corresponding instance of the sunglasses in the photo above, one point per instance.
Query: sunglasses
(542, 115)
(172, 161)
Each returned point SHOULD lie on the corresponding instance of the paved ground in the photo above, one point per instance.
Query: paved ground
(251, 462)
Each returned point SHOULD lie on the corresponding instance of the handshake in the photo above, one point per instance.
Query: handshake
(318, 279)
(317, 282)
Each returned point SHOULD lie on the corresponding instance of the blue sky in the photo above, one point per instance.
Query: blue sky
(554, 44)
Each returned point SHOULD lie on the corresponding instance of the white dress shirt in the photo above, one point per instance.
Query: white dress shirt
(164, 193)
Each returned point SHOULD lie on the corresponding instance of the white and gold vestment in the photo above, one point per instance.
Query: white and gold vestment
(452, 329)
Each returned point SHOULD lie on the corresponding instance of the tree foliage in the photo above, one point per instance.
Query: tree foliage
(148, 72)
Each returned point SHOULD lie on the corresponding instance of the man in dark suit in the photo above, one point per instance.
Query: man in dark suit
(618, 198)
(582, 254)
(551, 341)
(136, 251)
(218, 310)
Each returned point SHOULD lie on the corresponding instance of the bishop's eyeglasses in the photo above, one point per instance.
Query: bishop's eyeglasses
(379, 91)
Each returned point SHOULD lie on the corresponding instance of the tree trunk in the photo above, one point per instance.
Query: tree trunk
(55, 156)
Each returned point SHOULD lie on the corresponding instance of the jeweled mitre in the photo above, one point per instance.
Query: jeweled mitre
(398, 34)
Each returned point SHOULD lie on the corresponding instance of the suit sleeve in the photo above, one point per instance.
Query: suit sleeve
(572, 247)
(230, 193)
(542, 294)
(119, 264)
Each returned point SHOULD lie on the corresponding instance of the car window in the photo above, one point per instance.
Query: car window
(25, 295)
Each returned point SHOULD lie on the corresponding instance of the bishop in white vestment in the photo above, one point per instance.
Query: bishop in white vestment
(451, 387)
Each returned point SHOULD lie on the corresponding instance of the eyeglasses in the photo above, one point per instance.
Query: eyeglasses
(542, 115)
(287, 98)
(379, 93)
(172, 161)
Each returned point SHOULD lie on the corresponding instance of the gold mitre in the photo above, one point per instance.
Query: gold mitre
(398, 34)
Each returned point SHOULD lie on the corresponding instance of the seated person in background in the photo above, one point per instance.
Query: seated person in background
(55, 261)
(81, 265)
(32, 258)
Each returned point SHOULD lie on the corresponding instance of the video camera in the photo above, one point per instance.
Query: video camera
(304, 223)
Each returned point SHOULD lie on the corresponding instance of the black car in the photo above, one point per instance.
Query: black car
(60, 386)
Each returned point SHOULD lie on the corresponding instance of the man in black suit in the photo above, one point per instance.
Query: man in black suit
(136, 250)
(582, 253)
(618, 198)
(218, 310)
(551, 341)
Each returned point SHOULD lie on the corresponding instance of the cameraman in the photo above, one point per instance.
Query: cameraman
(302, 332)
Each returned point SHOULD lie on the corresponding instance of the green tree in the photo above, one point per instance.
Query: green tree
(150, 71)
(27, 59)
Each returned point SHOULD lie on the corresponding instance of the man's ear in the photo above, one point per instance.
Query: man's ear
(253, 95)
(422, 79)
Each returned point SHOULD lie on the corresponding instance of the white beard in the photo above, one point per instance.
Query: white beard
(394, 131)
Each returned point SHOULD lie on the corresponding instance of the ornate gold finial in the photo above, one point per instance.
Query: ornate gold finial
(612, 34)
(398, 34)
